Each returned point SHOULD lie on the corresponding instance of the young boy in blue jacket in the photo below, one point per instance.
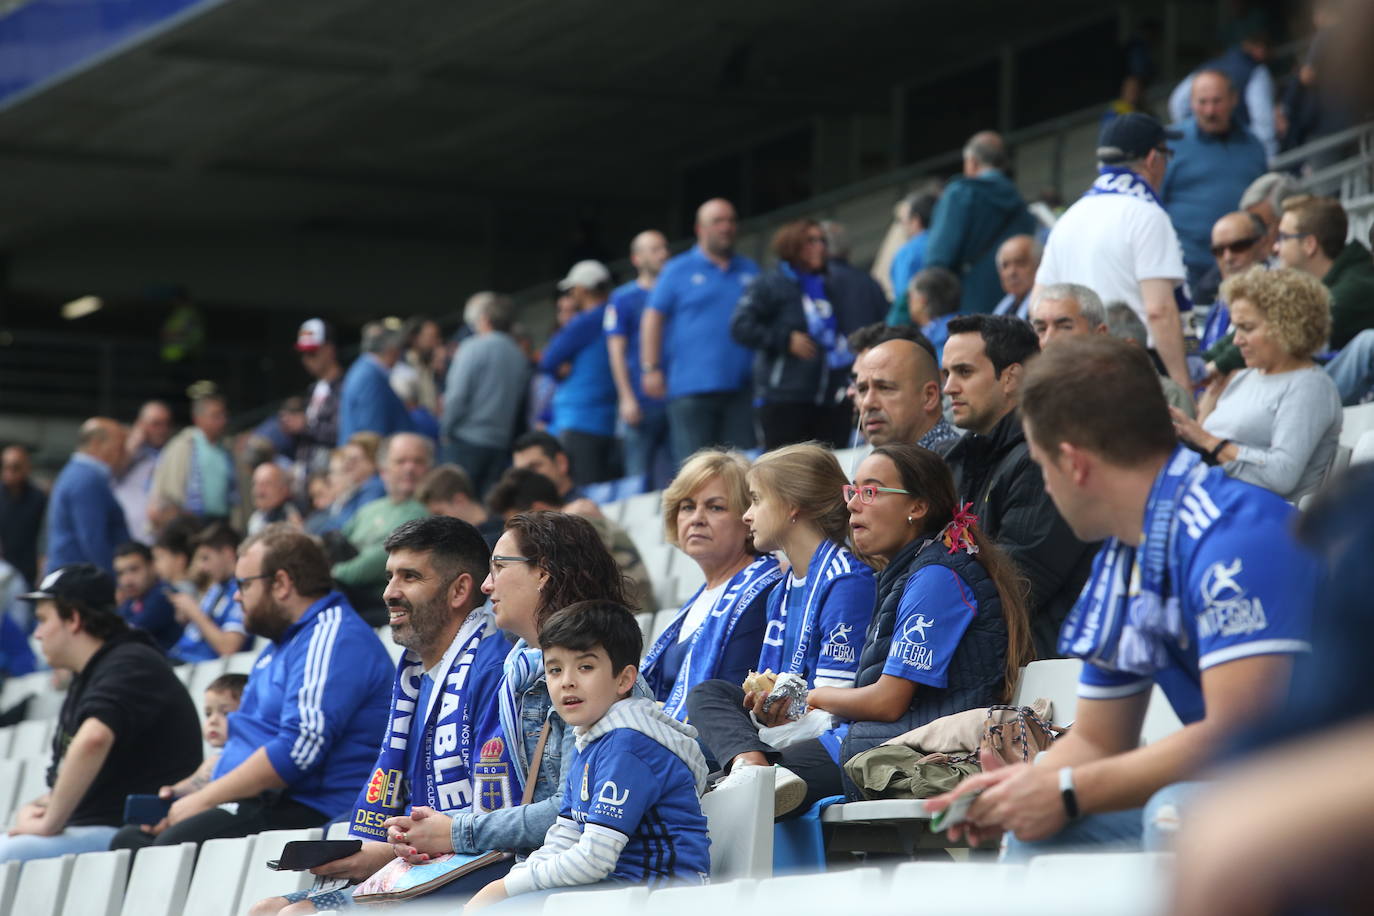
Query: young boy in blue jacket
(631, 811)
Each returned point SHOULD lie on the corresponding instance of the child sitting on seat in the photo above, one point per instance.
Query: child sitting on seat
(222, 697)
(631, 811)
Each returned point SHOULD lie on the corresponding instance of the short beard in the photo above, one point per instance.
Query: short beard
(425, 624)
(270, 622)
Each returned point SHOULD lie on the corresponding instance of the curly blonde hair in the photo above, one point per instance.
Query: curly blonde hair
(1296, 306)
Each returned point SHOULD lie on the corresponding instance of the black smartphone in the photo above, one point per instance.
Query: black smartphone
(145, 809)
(300, 855)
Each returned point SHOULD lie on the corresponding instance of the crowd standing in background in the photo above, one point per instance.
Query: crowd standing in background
(1082, 445)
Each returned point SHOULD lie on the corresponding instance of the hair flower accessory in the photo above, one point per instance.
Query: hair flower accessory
(957, 534)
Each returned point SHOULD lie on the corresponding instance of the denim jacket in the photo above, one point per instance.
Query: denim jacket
(521, 828)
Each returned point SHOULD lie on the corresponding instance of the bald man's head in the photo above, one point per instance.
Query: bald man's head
(984, 150)
(649, 252)
(103, 439)
(717, 227)
(896, 392)
(1238, 242)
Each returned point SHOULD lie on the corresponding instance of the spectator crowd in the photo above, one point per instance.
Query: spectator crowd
(1084, 443)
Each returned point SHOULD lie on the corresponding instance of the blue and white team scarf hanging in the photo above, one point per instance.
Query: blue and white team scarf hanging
(440, 772)
(523, 668)
(707, 645)
(1115, 179)
(774, 637)
(1129, 612)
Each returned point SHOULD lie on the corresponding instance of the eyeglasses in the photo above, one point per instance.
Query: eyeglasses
(243, 579)
(1239, 246)
(868, 493)
(1285, 236)
(498, 559)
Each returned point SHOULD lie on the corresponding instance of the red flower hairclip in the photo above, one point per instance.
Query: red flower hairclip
(957, 534)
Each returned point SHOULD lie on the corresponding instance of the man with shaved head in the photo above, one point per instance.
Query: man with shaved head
(1017, 260)
(686, 352)
(897, 396)
(85, 521)
(1213, 163)
(974, 216)
(644, 419)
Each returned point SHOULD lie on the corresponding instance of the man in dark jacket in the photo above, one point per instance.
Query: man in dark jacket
(984, 358)
(1312, 239)
(975, 215)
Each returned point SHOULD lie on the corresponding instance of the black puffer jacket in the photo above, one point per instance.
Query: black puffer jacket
(977, 671)
(767, 314)
(996, 474)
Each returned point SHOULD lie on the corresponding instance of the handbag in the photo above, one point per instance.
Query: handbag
(399, 880)
(1015, 736)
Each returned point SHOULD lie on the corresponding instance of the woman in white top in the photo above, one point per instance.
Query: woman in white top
(1278, 422)
(718, 632)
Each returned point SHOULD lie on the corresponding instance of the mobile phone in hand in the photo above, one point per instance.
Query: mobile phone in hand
(956, 813)
(145, 809)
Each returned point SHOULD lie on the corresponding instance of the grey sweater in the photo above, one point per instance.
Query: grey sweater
(483, 390)
(1287, 428)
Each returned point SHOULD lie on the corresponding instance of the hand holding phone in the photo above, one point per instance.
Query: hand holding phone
(956, 813)
(145, 809)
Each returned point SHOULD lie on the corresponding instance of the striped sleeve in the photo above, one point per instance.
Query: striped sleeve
(318, 697)
(568, 859)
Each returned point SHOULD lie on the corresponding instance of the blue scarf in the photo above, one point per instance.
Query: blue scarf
(1113, 179)
(821, 322)
(440, 774)
(799, 633)
(522, 670)
(1129, 612)
(706, 646)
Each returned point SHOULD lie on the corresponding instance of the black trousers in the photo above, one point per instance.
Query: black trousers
(254, 815)
(594, 458)
(785, 423)
(716, 710)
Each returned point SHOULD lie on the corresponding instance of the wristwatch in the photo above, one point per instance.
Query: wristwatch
(1066, 792)
(650, 367)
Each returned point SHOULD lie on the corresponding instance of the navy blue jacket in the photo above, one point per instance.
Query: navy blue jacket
(973, 218)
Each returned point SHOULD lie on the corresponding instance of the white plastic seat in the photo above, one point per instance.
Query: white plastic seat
(641, 509)
(16, 688)
(43, 886)
(1054, 679)
(689, 579)
(6, 739)
(1363, 452)
(953, 886)
(716, 897)
(240, 662)
(9, 883)
(202, 674)
(739, 821)
(1102, 884)
(97, 883)
(31, 737)
(159, 881)
(1160, 718)
(658, 558)
(849, 458)
(794, 893)
(661, 621)
(337, 831)
(260, 881)
(1356, 420)
(32, 782)
(646, 627)
(623, 901)
(218, 877)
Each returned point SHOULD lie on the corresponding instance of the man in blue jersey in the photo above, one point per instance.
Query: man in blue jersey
(644, 419)
(1200, 588)
(312, 715)
(367, 403)
(686, 352)
(584, 402)
(442, 747)
(631, 810)
(214, 625)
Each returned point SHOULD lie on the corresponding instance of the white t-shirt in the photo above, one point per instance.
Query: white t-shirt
(700, 609)
(1109, 243)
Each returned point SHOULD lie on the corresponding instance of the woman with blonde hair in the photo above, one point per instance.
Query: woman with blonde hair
(1278, 423)
(815, 620)
(717, 633)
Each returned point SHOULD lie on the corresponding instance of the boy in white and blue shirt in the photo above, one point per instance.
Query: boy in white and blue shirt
(630, 812)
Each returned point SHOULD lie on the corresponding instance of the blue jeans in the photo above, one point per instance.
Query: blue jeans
(646, 446)
(483, 463)
(717, 418)
(1150, 829)
(1353, 368)
(77, 840)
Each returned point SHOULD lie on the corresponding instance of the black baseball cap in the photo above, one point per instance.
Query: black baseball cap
(1132, 136)
(78, 583)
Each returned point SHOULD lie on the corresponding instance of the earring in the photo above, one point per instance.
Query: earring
(908, 520)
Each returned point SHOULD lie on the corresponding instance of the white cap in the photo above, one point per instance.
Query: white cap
(589, 274)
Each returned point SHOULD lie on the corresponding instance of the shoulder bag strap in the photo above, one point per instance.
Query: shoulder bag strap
(537, 759)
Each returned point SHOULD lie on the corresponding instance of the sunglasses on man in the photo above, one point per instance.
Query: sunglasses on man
(1239, 246)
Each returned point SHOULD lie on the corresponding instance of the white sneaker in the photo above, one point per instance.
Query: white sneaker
(789, 789)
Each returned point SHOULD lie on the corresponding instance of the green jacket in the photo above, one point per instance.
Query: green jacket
(367, 531)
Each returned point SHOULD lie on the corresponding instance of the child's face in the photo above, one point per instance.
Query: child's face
(583, 685)
(218, 705)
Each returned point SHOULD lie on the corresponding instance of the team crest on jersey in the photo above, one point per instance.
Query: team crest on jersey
(1229, 611)
(385, 787)
(492, 776)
